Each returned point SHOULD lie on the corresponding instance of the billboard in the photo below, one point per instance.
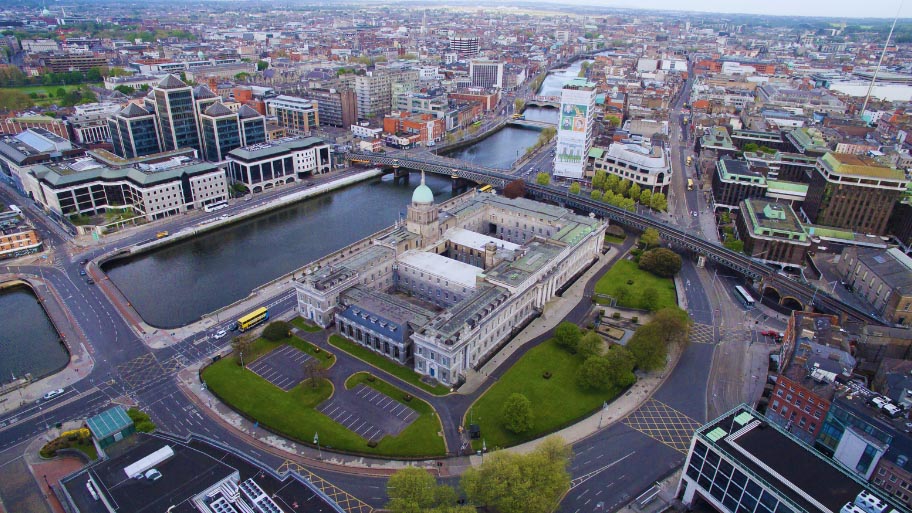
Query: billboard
(573, 117)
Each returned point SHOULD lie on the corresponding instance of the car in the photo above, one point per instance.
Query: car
(220, 333)
(52, 394)
(769, 333)
(694, 213)
(90, 281)
(84, 261)
(153, 474)
(82, 272)
(233, 327)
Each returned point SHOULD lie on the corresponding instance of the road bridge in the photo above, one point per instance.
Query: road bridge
(543, 101)
(530, 123)
(764, 277)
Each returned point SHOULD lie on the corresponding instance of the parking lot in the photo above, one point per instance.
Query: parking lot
(368, 413)
(283, 367)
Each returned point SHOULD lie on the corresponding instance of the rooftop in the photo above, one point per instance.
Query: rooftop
(274, 148)
(511, 274)
(772, 219)
(476, 240)
(109, 422)
(141, 173)
(892, 266)
(857, 165)
(384, 311)
(738, 170)
(810, 481)
(460, 272)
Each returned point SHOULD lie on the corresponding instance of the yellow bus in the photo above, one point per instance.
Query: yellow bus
(486, 188)
(253, 318)
(690, 184)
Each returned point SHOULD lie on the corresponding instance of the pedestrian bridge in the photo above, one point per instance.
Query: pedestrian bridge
(531, 123)
(764, 277)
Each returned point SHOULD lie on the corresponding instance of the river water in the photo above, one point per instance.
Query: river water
(177, 284)
(28, 340)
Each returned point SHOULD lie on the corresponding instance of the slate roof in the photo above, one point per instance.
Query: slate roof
(218, 110)
(133, 111)
(171, 82)
(202, 92)
(247, 112)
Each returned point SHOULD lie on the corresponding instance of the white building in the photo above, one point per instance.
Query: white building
(366, 132)
(486, 74)
(646, 167)
(267, 165)
(574, 128)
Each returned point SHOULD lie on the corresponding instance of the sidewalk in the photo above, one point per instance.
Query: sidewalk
(81, 360)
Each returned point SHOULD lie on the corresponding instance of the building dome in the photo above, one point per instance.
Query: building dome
(423, 193)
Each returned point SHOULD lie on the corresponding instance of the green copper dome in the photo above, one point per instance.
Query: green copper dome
(423, 193)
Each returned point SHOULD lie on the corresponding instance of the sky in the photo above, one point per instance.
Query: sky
(832, 8)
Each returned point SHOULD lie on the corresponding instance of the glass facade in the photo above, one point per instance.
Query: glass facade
(254, 131)
(177, 117)
(145, 136)
(735, 490)
(220, 136)
(837, 420)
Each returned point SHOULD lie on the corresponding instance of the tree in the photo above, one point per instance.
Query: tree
(594, 374)
(596, 194)
(673, 325)
(548, 133)
(414, 490)
(647, 347)
(658, 202)
(649, 238)
(519, 104)
(634, 192)
(515, 189)
(751, 148)
(127, 90)
(646, 197)
(598, 181)
(262, 65)
(590, 345)
(520, 483)
(620, 365)
(314, 372)
(277, 330)
(543, 178)
(93, 75)
(735, 245)
(241, 345)
(623, 187)
(649, 299)
(575, 188)
(60, 92)
(661, 262)
(612, 183)
(567, 335)
(15, 100)
(517, 413)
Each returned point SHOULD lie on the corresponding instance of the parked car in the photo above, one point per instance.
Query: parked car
(52, 394)
(153, 474)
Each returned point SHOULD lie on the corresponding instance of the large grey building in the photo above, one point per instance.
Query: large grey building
(176, 112)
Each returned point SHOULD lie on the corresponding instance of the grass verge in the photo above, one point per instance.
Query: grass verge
(630, 295)
(423, 436)
(383, 363)
(301, 324)
(556, 401)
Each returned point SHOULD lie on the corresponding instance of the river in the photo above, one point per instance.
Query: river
(177, 284)
(29, 343)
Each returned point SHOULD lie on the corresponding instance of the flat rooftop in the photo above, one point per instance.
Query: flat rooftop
(476, 240)
(859, 165)
(460, 272)
(512, 274)
(773, 219)
(796, 471)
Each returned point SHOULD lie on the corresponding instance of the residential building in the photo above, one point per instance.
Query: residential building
(487, 99)
(134, 132)
(574, 129)
(176, 113)
(19, 124)
(464, 46)
(374, 90)
(486, 74)
(814, 352)
(16, 242)
(431, 102)
(154, 186)
(735, 181)
(221, 132)
(364, 131)
(644, 166)
(297, 115)
(853, 192)
(743, 462)
(428, 128)
(772, 233)
(881, 278)
(444, 290)
(337, 107)
(269, 164)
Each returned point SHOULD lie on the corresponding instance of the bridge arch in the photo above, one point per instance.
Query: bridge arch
(772, 294)
(792, 303)
(257, 189)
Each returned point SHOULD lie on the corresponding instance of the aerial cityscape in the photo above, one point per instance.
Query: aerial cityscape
(527, 257)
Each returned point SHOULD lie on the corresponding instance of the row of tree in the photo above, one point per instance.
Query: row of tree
(614, 190)
(506, 482)
(543, 138)
(601, 370)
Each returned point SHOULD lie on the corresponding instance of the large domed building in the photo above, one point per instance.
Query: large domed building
(422, 214)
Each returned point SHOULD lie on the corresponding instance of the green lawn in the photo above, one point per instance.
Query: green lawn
(423, 436)
(383, 363)
(301, 324)
(616, 279)
(292, 414)
(556, 402)
(47, 94)
(612, 239)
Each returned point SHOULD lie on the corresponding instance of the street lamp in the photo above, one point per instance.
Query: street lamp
(317, 441)
(602, 414)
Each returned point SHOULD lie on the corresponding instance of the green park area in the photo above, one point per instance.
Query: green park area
(557, 401)
(422, 437)
(631, 286)
(293, 414)
(45, 95)
(303, 325)
(383, 363)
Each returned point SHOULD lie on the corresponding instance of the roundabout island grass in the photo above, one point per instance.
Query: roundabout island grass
(557, 401)
(293, 414)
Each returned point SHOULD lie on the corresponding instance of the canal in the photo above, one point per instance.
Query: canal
(29, 343)
(175, 285)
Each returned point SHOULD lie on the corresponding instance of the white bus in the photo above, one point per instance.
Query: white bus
(744, 297)
(212, 207)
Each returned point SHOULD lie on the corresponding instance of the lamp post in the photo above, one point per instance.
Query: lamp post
(602, 414)
(319, 450)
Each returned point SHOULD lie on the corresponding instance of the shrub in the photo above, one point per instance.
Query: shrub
(372, 444)
(661, 262)
(277, 330)
(407, 397)
(546, 374)
(635, 319)
(517, 413)
(371, 378)
(616, 315)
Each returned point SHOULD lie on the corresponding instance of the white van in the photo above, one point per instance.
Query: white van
(153, 474)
